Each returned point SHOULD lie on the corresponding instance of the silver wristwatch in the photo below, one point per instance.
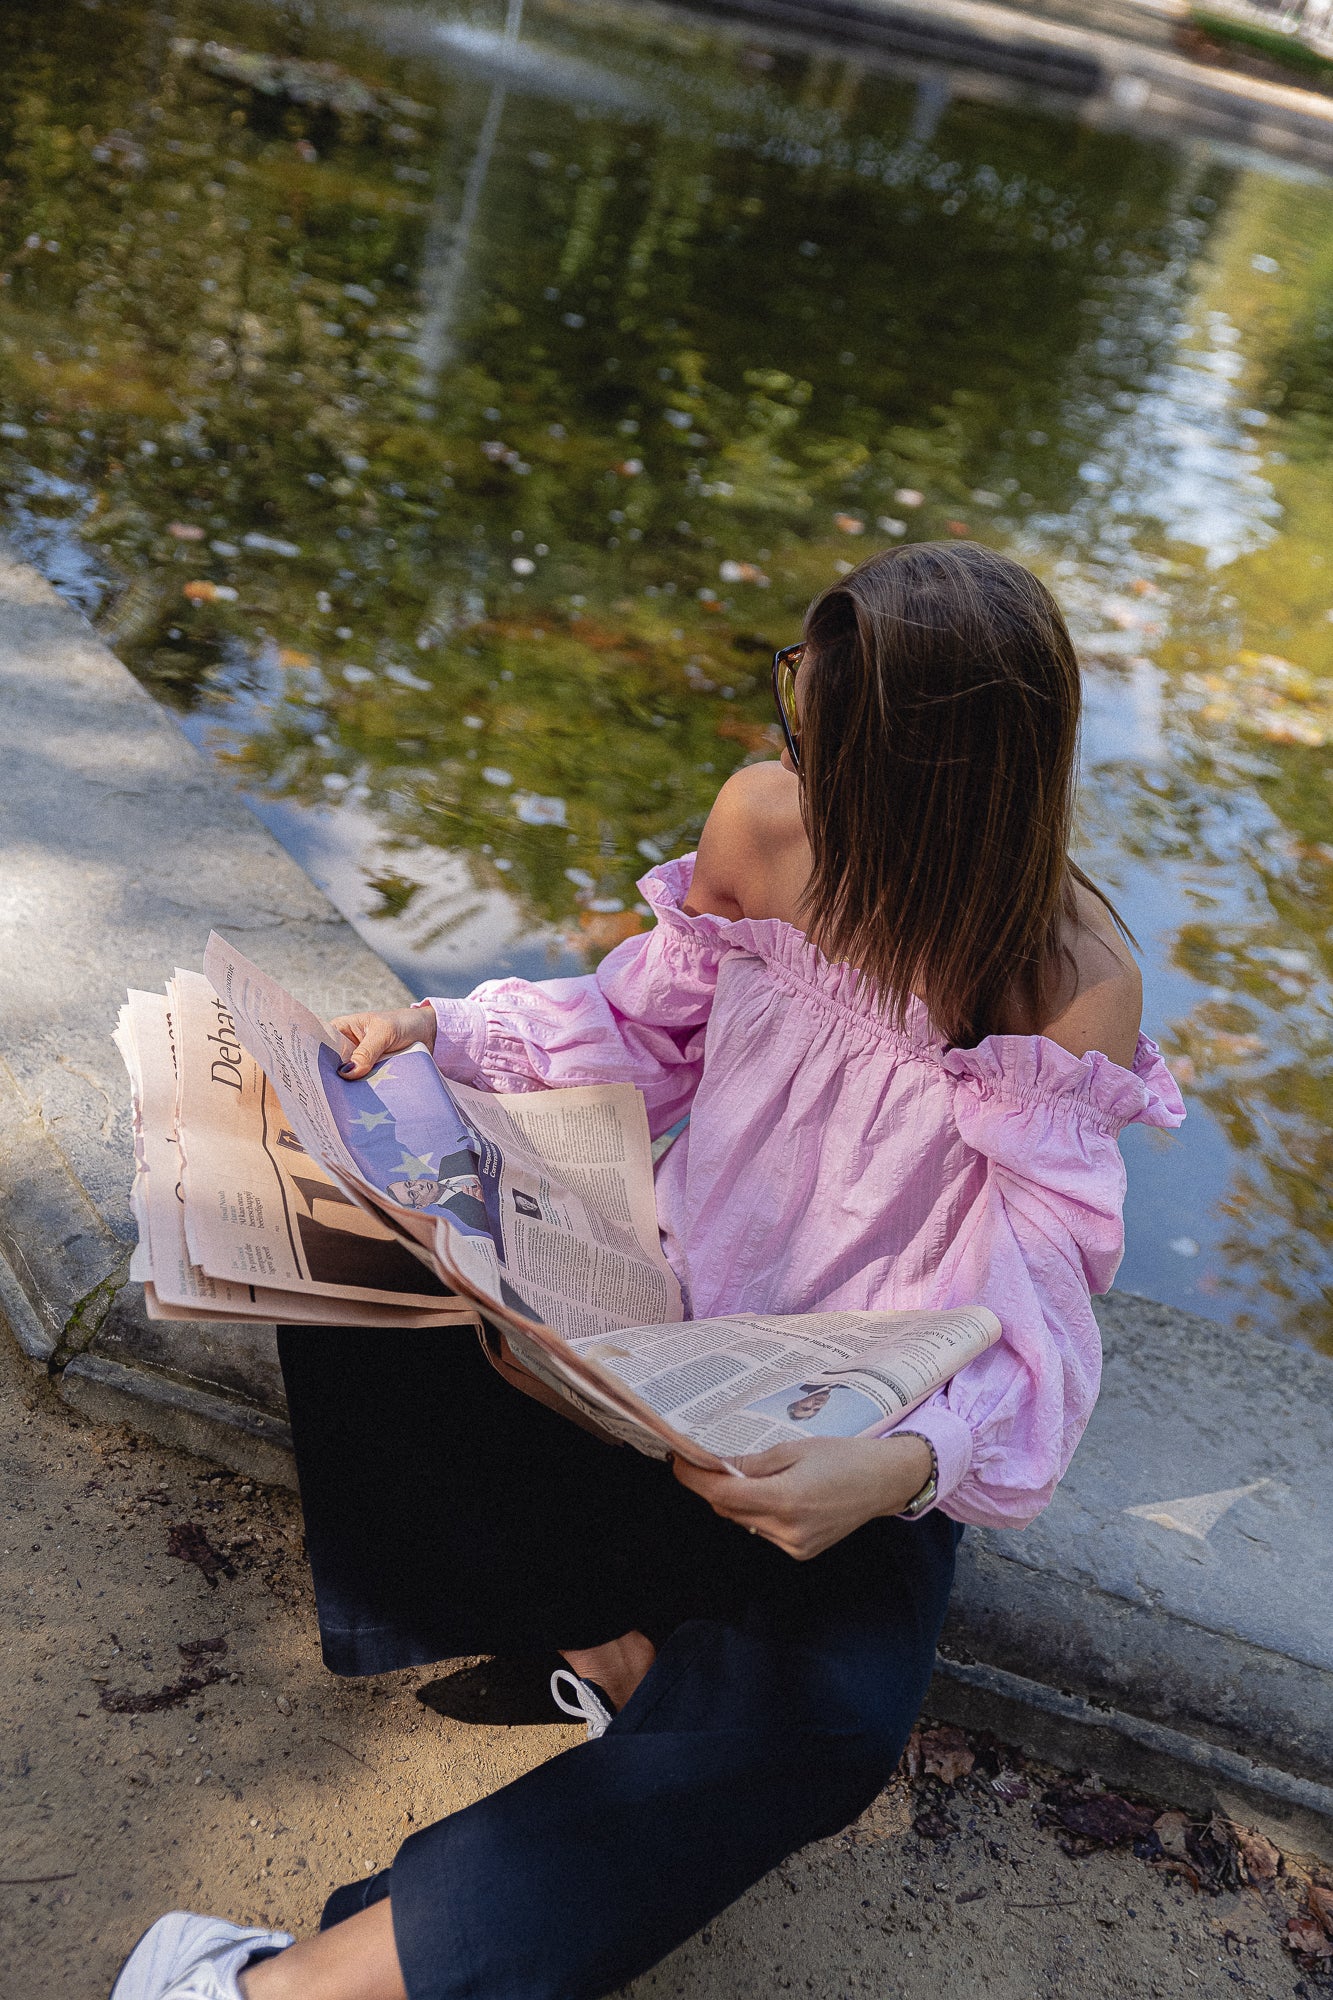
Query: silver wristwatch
(930, 1492)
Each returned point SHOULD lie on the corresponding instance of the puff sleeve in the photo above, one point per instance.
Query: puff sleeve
(640, 1018)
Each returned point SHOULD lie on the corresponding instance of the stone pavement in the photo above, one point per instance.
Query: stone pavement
(1168, 1620)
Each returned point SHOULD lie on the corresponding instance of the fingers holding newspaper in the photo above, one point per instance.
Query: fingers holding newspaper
(374, 1036)
(805, 1496)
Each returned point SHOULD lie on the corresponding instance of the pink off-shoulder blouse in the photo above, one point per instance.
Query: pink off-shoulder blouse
(832, 1160)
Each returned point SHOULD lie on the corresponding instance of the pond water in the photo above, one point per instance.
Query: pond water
(448, 427)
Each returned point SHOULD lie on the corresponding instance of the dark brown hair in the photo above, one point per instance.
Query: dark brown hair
(939, 747)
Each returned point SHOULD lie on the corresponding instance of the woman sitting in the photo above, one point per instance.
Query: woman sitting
(905, 1030)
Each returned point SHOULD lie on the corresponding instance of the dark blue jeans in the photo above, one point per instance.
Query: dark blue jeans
(447, 1514)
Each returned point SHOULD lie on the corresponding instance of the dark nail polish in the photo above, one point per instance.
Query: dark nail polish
(344, 1069)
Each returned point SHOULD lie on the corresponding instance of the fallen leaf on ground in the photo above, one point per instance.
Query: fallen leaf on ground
(1094, 1819)
(1206, 1855)
(124, 1701)
(1171, 1829)
(1321, 1906)
(1308, 1938)
(945, 1754)
(187, 1541)
(1258, 1857)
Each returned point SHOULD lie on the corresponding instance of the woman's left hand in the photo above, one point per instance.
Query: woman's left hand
(806, 1495)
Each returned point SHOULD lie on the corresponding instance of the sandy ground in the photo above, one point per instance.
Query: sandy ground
(249, 1781)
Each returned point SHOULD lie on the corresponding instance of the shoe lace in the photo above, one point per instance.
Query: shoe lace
(587, 1703)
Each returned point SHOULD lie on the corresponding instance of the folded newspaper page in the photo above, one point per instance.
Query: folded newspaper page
(175, 1285)
(546, 1206)
(258, 1208)
(538, 1207)
(747, 1381)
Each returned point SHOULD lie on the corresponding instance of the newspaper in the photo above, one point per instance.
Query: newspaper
(176, 1285)
(739, 1384)
(538, 1208)
(257, 1208)
(539, 1202)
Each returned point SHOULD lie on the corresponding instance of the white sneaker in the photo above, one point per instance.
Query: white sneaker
(184, 1957)
(587, 1705)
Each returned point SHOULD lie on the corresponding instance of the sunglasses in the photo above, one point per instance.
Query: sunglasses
(786, 665)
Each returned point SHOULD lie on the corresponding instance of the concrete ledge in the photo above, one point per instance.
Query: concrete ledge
(181, 1414)
(1167, 1620)
(121, 848)
(1112, 80)
(1171, 1607)
(1142, 1756)
(56, 1252)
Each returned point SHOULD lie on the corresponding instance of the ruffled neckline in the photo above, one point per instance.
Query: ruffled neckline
(1022, 1069)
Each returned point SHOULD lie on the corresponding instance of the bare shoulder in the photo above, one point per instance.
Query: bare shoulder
(753, 842)
(1105, 1009)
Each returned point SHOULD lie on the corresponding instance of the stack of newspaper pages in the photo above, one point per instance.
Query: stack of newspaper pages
(269, 1187)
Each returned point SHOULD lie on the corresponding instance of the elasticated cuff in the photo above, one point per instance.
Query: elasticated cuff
(460, 1040)
(951, 1440)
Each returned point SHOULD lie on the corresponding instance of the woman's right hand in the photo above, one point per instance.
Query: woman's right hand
(374, 1036)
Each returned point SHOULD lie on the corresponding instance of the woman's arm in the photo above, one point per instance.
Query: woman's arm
(610, 1026)
(1044, 1231)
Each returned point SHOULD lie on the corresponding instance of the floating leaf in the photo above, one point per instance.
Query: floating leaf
(534, 810)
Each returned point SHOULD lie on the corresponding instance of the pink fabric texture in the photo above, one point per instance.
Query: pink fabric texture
(832, 1160)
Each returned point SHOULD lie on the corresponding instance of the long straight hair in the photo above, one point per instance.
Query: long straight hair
(939, 748)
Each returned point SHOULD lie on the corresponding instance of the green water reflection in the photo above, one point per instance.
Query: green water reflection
(449, 433)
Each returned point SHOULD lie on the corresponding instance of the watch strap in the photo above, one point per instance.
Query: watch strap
(930, 1492)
